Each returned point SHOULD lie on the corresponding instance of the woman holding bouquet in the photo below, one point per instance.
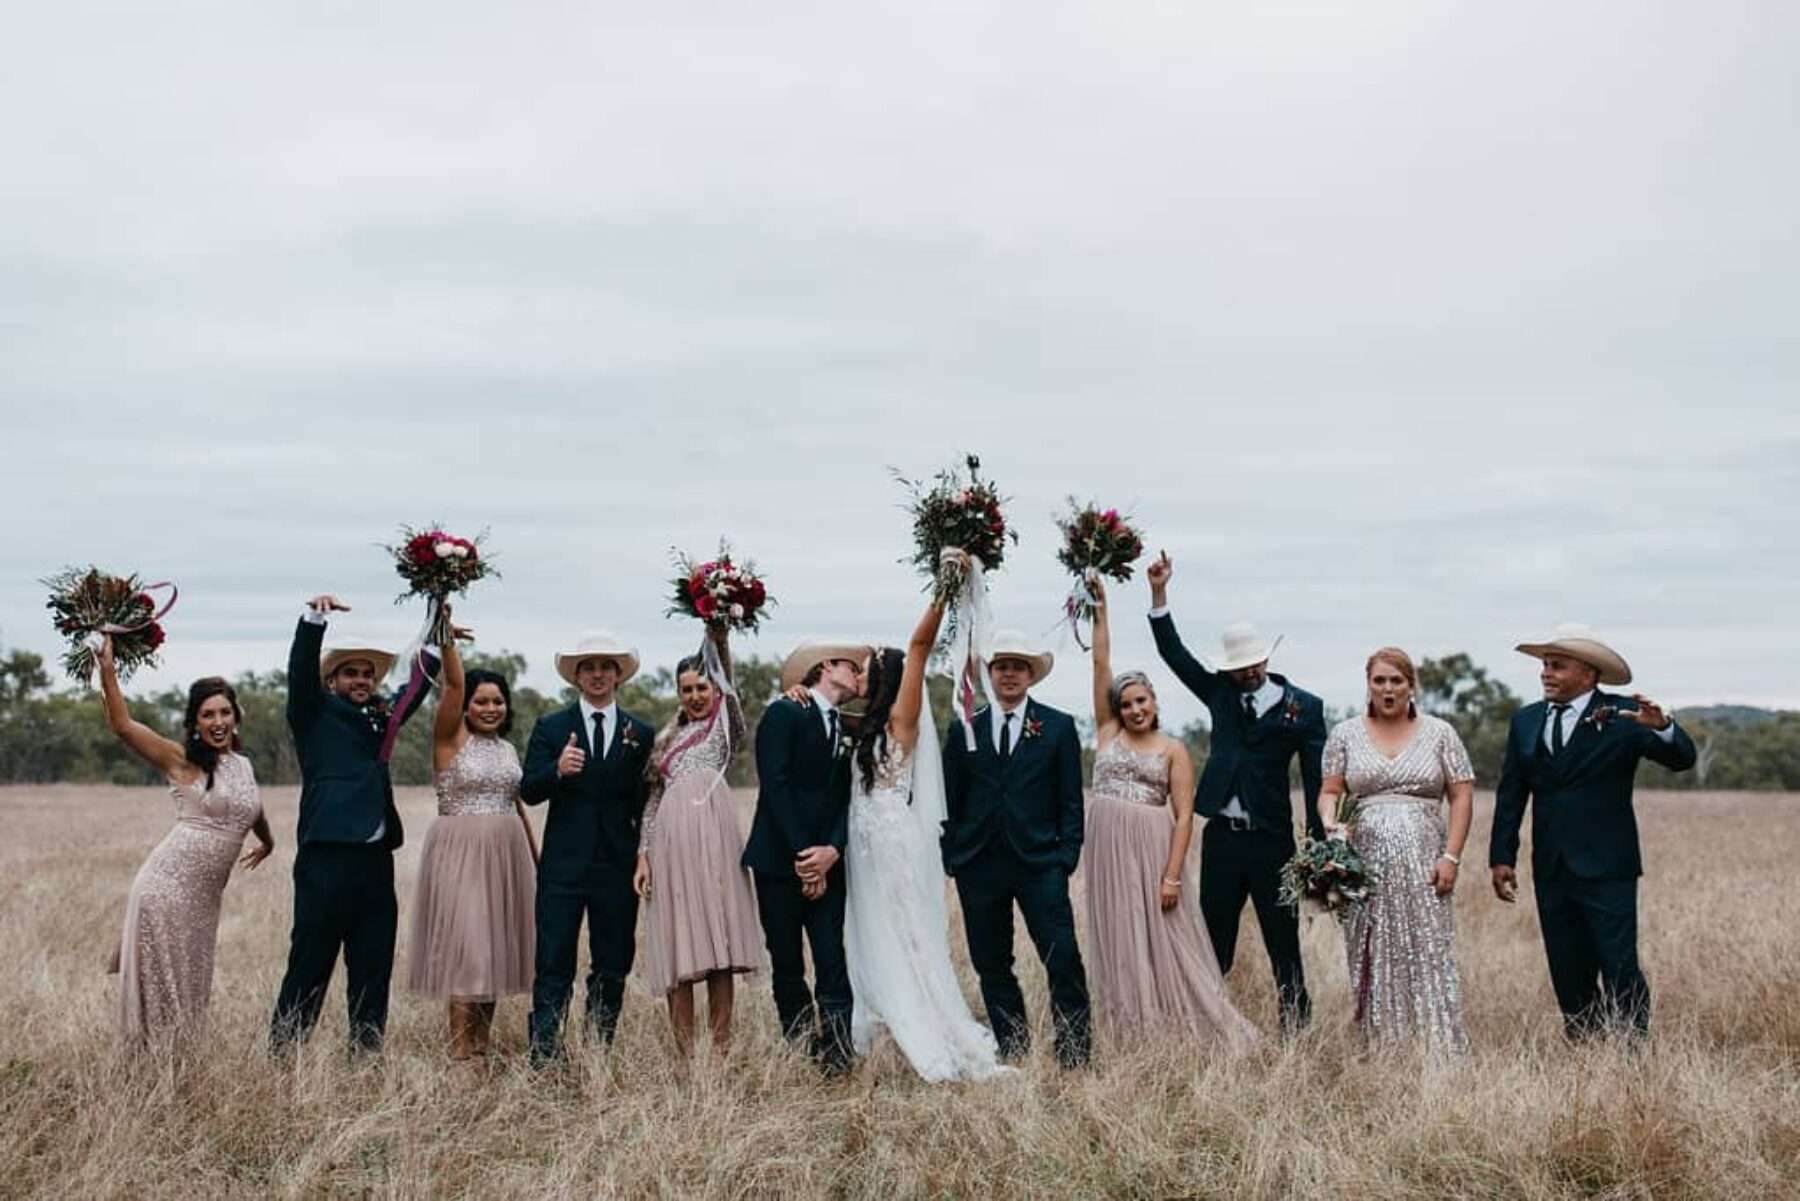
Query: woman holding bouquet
(1399, 766)
(473, 930)
(700, 919)
(1153, 967)
(165, 960)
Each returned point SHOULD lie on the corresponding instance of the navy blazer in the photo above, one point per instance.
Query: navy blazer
(595, 813)
(345, 790)
(1032, 799)
(1582, 818)
(1249, 760)
(803, 793)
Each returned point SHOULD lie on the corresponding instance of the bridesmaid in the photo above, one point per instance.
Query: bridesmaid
(474, 930)
(700, 918)
(165, 959)
(1152, 965)
(1399, 765)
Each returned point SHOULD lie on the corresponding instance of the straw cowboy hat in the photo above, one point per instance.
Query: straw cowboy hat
(597, 644)
(1580, 642)
(1017, 644)
(334, 657)
(1241, 646)
(814, 651)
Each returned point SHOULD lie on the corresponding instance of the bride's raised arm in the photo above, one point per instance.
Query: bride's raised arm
(903, 718)
(1106, 725)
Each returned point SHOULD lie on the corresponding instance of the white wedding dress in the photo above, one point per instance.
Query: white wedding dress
(896, 934)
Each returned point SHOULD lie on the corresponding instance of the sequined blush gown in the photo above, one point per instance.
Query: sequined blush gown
(172, 914)
(1400, 942)
(1152, 969)
(474, 932)
(700, 917)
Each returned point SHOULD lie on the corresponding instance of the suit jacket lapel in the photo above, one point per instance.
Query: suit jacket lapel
(1583, 727)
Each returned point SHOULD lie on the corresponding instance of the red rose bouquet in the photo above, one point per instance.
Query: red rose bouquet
(954, 512)
(89, 604)
(438, 565)
(1098, 540)
(720, 592)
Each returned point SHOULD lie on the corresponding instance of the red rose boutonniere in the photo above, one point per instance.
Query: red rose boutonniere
(1033, 727)
(1291, 712)
(378, 713)
(1599, 715)
(628, 736)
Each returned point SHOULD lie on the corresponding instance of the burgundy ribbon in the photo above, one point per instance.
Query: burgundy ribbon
(416, 681)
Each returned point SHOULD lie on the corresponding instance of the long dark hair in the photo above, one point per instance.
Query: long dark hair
(195, 749)
(696, 665)
(885, 668)
(474, 678)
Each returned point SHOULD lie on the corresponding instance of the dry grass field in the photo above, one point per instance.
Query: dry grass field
(1711, 1108)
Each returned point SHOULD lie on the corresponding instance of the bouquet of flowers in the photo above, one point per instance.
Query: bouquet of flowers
(89, 604)
(437, 565)
(721, 592)
(1328, 872)
(1094, 540)
(952, 512)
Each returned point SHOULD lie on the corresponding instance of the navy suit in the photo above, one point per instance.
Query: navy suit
(589, 854)
(803, 800)
(1585, 860)
(343, 874)
(1012, 835)
(1243, 858)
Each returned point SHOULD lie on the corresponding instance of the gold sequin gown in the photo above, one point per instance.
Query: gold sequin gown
(172, 914)
(474, 931)
(1152, 969)
(700, 917)
(1400, 942)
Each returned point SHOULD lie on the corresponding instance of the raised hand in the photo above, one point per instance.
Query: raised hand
(1649, 713)
(572, 759)
(325, 603)
(1158, 574)
(104, 654)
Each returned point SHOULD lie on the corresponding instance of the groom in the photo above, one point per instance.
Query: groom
(1574, 755)
(1012, 836)
(1260, 722)
(796, 846)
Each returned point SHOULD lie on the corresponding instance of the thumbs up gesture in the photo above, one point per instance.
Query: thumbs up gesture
(572, 759)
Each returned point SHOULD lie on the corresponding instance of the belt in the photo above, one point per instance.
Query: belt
(1240, 824)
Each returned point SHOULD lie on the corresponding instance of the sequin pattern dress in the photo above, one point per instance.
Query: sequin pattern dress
(1151, 969)
(700, 917)
(474, 930)
(172, 914)
(1400, 942)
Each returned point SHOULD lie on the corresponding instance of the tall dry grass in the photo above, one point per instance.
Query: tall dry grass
(1710, 1108)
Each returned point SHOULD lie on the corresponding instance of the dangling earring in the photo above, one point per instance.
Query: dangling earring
(1371, 706)
(1412, 710)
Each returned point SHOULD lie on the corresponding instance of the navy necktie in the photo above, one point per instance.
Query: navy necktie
(1556, 734)
(1006, 736)
(599, 736)
(1250, 708)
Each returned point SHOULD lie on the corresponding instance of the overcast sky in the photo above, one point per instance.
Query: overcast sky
(1393, 322)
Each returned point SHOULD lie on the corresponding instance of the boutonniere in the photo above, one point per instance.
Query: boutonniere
(628, 736)
(1290, 713)
(1598, 716)
(846, 744)
(378, 712)
(1033, 727)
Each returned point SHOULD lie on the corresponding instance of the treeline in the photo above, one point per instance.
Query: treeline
(50, 733)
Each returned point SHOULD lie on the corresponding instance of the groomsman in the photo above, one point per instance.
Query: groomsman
(1012, 836)
(348, 832)
(1260, 722)
(1573, 756)
(588, 761)
(796, 846)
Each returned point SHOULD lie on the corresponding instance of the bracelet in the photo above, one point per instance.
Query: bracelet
(1455, 860)
(1171, 883)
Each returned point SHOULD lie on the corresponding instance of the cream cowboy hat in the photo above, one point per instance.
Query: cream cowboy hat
(1580, 642)
(597, 644)
(1017, 644)
(334, 657)
(1241, 646)
(814, 651)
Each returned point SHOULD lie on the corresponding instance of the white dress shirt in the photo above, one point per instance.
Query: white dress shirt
(826, 709)
(1013, 721)
(611, 713)
(1571, 718)
(1263, 699)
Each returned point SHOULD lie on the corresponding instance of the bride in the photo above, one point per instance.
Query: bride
(896, 926)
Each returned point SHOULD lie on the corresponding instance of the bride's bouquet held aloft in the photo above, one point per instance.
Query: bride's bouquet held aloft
(721, 592)
(89, 604)
(1328, 873)
(966, 514)
(438, 565)
(1097, 540)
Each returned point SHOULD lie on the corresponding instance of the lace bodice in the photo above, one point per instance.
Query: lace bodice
(689, 749)
(1425, 767)
(229, 808)
(482, 778)
(1141, 777)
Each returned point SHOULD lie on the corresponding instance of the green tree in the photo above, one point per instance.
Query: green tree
(1480, 708)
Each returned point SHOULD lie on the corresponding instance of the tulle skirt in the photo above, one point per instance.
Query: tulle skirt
(1151, 969)
(473, 930)
(700, 917)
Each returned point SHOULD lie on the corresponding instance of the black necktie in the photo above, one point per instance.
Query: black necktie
(1556, 734)
(1250, 707)
(599, 736)
(1006, 736)
(831, 728)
